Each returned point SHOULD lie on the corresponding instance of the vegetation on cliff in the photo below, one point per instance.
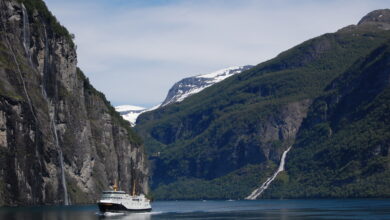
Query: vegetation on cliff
(49, 18)
(342, 149)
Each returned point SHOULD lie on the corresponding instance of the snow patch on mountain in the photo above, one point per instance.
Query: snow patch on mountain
(124, 108)
(192, 85)
(130, 112)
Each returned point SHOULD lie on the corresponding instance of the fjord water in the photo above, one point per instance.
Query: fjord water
(260, 209)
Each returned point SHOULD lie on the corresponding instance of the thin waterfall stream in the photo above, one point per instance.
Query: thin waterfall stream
(60, 155)
(18, 69)
(26, 33)
(257, 192)
(51, 108)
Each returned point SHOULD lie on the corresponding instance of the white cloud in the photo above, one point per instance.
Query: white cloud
(134, 53)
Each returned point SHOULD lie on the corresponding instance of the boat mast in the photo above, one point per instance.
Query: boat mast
(133, 178)
(115, 186)
(133, 188)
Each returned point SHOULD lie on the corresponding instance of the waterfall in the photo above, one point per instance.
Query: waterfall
(17, 66)
(51, 108)
(257, 192)
(61, 158)
(26, 33)
(26, 44)
(46, 55)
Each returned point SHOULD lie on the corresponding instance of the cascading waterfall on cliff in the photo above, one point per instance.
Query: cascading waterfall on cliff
(26, 33)
(51, 108)
(257, 192)
(17, 66)
(61, 157)
(46, 56)
(60, 154)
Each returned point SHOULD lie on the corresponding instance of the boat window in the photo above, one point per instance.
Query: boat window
(113, 192)
(111, 197)
(135, 199)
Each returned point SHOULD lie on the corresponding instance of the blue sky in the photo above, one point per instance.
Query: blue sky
(134, 50)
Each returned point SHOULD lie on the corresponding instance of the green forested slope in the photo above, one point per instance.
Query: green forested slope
(228, 138)
(343, 147)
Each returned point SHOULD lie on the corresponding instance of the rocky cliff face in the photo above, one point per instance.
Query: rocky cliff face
(60, 140)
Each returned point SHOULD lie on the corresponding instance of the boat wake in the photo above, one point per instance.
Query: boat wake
(113, 213)
(129, 215)
(149, 213)
(108, 214)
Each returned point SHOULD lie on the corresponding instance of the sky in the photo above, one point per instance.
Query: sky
(135, 50)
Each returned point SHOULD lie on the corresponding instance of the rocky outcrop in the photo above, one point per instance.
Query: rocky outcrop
(282, 127)
(60, 139)
(379, 18)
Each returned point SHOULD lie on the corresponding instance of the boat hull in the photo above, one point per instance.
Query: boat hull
(112, 207)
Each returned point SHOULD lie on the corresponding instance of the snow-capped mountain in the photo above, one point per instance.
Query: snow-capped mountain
(181, 90)
(192, 85)
(130, 112)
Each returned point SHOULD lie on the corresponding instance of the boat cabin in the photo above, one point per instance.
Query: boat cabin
(113, 194)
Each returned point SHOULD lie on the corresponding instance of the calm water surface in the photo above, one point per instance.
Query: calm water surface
(263, 209)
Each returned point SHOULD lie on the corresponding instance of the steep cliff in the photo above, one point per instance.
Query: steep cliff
(226, 140)
(60, 140)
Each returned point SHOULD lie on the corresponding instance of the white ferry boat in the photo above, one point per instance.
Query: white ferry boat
(112, 201)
